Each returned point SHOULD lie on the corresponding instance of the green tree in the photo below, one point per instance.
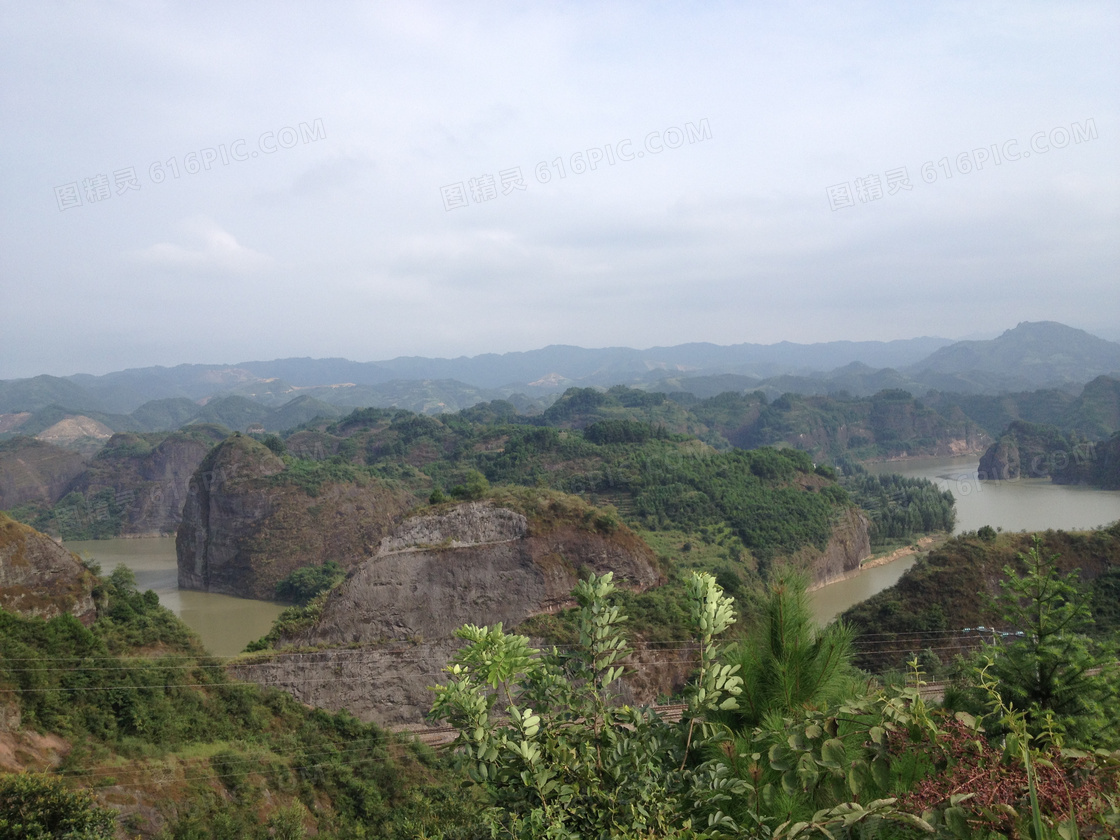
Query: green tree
(1052, 671)
(302, 585)
(566, 760)
(35, 806)
(475, 487)
(787, 664)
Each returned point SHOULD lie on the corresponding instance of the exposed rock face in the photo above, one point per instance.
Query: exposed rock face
(244, 529)
(80, 433)
(38, 577)
(149, 483)
(1096, 464)
(475, 563)
(1001, 460)
(892, 420)
(1032, 450)
(33, 471)
(850, 543)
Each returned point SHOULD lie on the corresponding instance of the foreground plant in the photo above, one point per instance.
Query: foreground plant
(546, 735)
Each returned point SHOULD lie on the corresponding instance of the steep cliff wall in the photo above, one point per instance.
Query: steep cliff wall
(38, 577)
(148, 476)
(33, 471)
(850, 543)
(477, 563)
(1033, 450)
(245, 527)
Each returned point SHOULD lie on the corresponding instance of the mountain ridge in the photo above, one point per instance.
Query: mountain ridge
(1030, 356)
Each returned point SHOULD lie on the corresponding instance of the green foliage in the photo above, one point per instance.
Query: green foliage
(131, 619)
(788, 665)
(310, 476)
(564, 760)
(946, 590)
(35, 806)
(120, 692)
(1052, 672)
(302, 585)
(901, 508)
(473, 488)
(274, 444)
(290, 622)
(752, 492)
(619, 431)
(96, 515)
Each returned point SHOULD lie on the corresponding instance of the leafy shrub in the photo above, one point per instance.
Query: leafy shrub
(303, 584)
(35, 806)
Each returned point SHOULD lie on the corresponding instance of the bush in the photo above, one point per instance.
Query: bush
(35, 806)
(302, 585)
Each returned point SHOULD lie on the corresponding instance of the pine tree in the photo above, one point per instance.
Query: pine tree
(787, 662)
(1051, 670)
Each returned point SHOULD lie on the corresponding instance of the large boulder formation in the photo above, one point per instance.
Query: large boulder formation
(1032, 450)
(890, 423)
(476, 563)
(391, 623)
(35, 472)
(1000, 462)
(248, 522)
(1097, 465)
(38, 577)
(147, 477)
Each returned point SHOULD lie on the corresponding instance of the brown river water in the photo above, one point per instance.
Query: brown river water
(227, 624)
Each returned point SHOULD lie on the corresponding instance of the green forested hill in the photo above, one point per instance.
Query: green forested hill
(953, 587)
(156, 728)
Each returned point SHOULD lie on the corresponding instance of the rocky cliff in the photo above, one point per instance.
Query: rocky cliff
(849, 544)
(248, 522)
(478, 563)
(148, 477)
(38, 577)
(1032, 450)
(33, 471)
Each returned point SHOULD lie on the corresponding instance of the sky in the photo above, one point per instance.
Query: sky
(214, 182)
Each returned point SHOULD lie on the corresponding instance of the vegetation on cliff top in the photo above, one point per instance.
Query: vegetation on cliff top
(157, 728)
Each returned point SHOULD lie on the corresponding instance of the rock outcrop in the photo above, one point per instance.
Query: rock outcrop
(247, 525)
(1000, 462)
(475, 563)
(1033, 450)
(33, 471)
(478, 563)
(38, 577)
(149, 482)
(849, 544)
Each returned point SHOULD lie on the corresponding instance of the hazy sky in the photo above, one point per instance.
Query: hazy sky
(220, 182)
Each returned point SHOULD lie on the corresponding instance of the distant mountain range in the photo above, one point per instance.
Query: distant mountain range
(285, 392)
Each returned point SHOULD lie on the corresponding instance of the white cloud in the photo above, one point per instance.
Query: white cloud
(210, 248)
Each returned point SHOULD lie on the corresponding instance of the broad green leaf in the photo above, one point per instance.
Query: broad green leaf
(789, 783)
(956, 820)
(833, 753)
(807, 770)
(780, 759)
(881, 772)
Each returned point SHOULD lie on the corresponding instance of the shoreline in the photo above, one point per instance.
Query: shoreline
(922, 546)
